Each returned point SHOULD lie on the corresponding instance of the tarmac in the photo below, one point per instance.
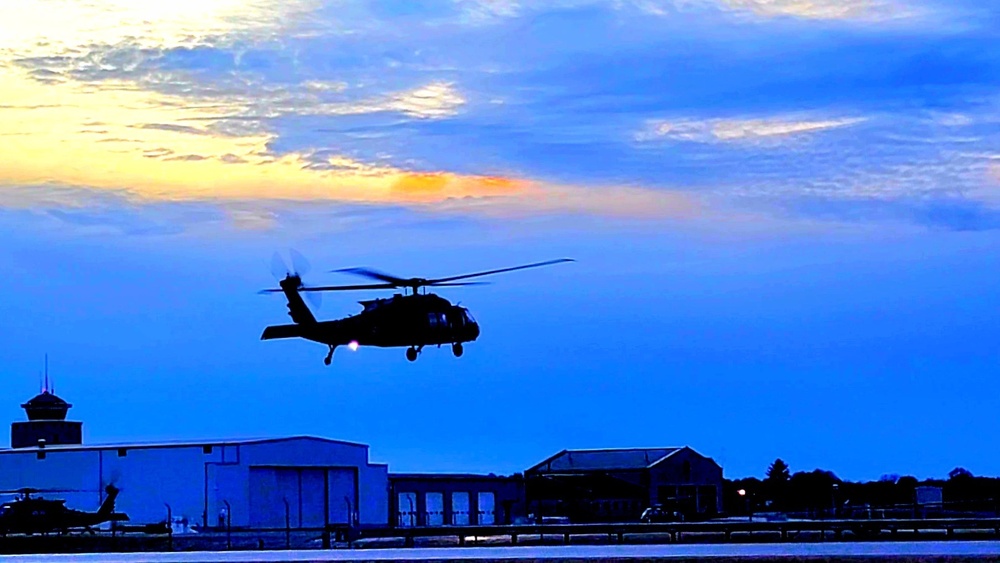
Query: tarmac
(844, 551)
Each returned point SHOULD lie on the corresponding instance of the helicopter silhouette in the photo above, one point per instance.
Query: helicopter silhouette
(36, 515)
(413, 319)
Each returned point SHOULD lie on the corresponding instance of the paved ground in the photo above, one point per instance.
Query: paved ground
(909, 551)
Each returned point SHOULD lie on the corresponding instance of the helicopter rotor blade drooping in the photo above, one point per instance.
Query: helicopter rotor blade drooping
(414, 283)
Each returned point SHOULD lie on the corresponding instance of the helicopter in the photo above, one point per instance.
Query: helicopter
(36, 515)
(412, 319)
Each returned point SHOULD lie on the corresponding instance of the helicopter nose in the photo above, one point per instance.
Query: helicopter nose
(474, 330)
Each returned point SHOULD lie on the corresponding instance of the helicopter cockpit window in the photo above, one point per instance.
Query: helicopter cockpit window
(437, 319)
(468, 317)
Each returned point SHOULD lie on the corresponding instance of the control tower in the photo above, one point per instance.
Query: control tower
(46, 424)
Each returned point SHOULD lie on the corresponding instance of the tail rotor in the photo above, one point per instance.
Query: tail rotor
(300, 267)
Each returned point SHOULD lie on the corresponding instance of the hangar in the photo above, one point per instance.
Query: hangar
(256, 483)
(616, 485)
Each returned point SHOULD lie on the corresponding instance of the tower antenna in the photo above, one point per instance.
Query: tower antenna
(46, 388)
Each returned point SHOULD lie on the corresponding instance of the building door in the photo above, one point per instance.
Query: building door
(460, 509)
(434, 511)
(269, 489)
(406, 507)
(487, 509)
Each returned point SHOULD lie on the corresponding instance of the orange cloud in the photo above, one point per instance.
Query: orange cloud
(120, 139)
(431, 187)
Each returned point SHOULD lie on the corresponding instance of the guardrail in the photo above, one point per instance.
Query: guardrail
(859, 529)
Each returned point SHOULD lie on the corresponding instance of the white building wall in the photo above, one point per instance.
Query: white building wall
(69, 470)
(185, 477)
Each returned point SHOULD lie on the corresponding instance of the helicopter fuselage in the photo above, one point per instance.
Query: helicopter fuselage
(411, 321)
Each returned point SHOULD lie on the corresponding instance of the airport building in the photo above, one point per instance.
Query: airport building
(309, 481)
(441, 499)
(616, 485)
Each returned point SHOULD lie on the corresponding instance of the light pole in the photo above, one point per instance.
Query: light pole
(288, 524)
(170, 526)
(229, 524)
(836, 487)
(743, 493)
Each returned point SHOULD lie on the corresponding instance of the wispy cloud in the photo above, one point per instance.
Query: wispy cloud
(825, 9)
(739, 130)
(847, 10)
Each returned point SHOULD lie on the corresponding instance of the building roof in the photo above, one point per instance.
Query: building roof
(604, 460)
(46, 406)
(45, 399)
(448, 477)
(177, 444)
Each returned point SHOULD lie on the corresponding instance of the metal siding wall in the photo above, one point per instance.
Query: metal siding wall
(148, 478)
(373, 487)
(68, 470)
(151, 477)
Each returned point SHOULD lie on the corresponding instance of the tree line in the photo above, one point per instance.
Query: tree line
(820, 493)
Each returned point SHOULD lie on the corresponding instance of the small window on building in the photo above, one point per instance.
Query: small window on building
(206, 449)
(122, 452)
(686, 470)
(41, 455)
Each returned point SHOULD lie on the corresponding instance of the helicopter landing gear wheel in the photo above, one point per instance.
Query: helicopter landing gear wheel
(456, 349)
(329, 357)
(411, 354)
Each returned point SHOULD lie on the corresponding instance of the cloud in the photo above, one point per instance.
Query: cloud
(739, 130)
(480, 11)
(61, 25)
(823, 9)
(435, 100)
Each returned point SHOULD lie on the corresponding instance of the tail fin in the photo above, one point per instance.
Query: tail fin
(297, 308)
(106, 513)
(108, 506)
(281, 331)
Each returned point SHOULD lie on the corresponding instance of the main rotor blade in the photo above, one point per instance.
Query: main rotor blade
(33, 491)
(456, 284)
(373, 274)
(500, 271)
(348, 287)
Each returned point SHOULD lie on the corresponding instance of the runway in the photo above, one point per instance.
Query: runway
(881, 550)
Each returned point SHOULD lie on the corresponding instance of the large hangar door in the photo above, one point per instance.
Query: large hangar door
(312, 498)
(303, 489)
(269, 489)
(343, 503)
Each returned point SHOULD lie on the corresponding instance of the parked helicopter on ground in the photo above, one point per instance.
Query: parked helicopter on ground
(412, 320)
(35, 515)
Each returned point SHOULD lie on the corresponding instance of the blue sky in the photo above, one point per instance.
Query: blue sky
(785, 216)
